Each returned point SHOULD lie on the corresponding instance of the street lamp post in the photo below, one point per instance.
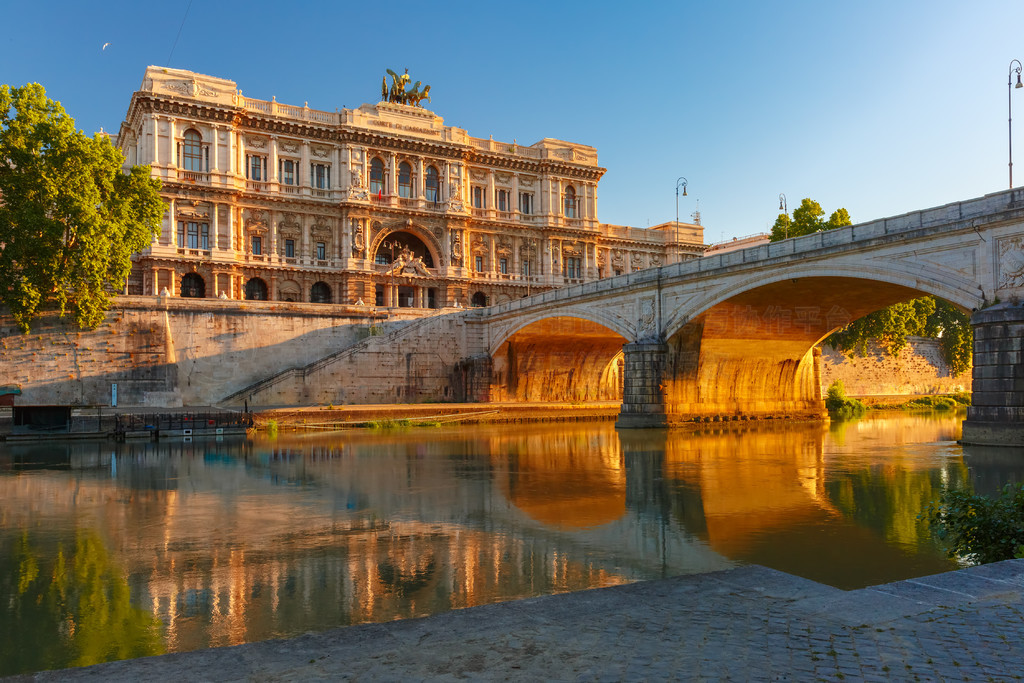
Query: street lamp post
(679, 181)
(784, 209)
(1009, 108)
(392, 245)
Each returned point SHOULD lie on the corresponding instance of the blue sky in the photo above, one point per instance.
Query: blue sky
(882, 107)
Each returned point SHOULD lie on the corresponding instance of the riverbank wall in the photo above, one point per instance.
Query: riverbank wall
(165, 352)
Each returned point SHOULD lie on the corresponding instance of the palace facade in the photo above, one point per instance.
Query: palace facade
(379, 205)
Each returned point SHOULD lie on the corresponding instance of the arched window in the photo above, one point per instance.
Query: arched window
(256, 290)
(433, 184)
(405, 180)
(570, 202)
(479, 299)
(193, 286)
(320, 293)
(376, 176)
(192, 151)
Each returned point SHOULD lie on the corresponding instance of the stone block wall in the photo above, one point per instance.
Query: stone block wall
(919, 369)
(408, 362)
(167, 352)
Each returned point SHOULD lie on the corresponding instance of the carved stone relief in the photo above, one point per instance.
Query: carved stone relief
(289, 146)
(1011, 262)
(357, 238)
(646, 318)
(255, 142)
(456, 247)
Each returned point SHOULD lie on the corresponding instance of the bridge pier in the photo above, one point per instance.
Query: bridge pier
(643, 388)
(996, 416)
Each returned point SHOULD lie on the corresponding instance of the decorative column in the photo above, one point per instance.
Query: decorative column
(996, 414)
(643, 397)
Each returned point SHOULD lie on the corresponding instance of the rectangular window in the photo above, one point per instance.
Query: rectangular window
(478, 197)
(321, 251)
(289, 248)
(526, 268)
(573, 268)
(204, 236)
(198, 235)
(286, 170)
(526, 203)
(502, 200)
(181, 234)
(255, 167)
(381, 259)
(479, 263)
(257, 245)
(503, 266)
(320, 176)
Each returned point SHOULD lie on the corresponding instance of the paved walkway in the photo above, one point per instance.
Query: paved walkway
(747, 624)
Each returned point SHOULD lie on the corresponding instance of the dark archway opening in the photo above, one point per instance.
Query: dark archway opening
(256, 290)
(479, 300)
(320, 293)
(193, 286)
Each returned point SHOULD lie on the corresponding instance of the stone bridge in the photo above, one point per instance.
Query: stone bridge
(729, 336)
(735, 334)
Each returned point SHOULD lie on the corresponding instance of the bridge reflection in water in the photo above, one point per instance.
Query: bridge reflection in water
(233, 542)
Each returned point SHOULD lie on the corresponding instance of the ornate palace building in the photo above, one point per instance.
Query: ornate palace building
(380, 205)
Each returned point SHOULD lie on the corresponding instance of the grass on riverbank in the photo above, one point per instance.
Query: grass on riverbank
(940, 402)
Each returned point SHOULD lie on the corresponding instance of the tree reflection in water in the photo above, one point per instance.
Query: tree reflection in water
(67, 608)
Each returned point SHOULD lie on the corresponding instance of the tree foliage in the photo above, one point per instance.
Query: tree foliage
(977, 528)
(890, 327)
(70, 219)
(807, 218)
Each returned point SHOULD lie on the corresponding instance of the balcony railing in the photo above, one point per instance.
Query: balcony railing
(193, 176)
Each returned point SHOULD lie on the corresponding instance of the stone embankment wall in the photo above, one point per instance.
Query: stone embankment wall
(171, 352)
(422, 360)
(919, 369)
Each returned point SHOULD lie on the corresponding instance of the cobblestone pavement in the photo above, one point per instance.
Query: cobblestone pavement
(747, 624)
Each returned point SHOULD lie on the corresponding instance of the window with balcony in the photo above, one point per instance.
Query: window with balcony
(193, 235)
(526, 268)
(503, 266)
(433, 185)
(321, 251)
(320, 176)
(570, 203)
(255, 167)
(478, 197)
(573, 268)
(502, 200)
(405, 180)
(288, 171)
(257, 245)
(526, 203)
(289, 248)
(478, 264)
(376, 176)
(192, 156)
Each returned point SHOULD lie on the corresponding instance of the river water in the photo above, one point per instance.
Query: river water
(110, 551)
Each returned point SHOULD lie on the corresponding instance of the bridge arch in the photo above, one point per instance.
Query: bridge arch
(905, 281)
(614, 324)
(558, 358)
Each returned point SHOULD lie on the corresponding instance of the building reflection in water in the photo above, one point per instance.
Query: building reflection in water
(231, 542)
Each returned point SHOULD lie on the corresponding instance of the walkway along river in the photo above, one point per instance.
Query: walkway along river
(112, 551)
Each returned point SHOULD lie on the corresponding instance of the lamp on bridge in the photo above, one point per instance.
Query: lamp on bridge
(784, 209)
(679, 181)
(1009, 108)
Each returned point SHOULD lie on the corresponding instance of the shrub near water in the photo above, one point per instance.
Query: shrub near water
(979, 529)
(839, 406)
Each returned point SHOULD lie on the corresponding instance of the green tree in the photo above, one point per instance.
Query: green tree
(807, 218)
(70, 219)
